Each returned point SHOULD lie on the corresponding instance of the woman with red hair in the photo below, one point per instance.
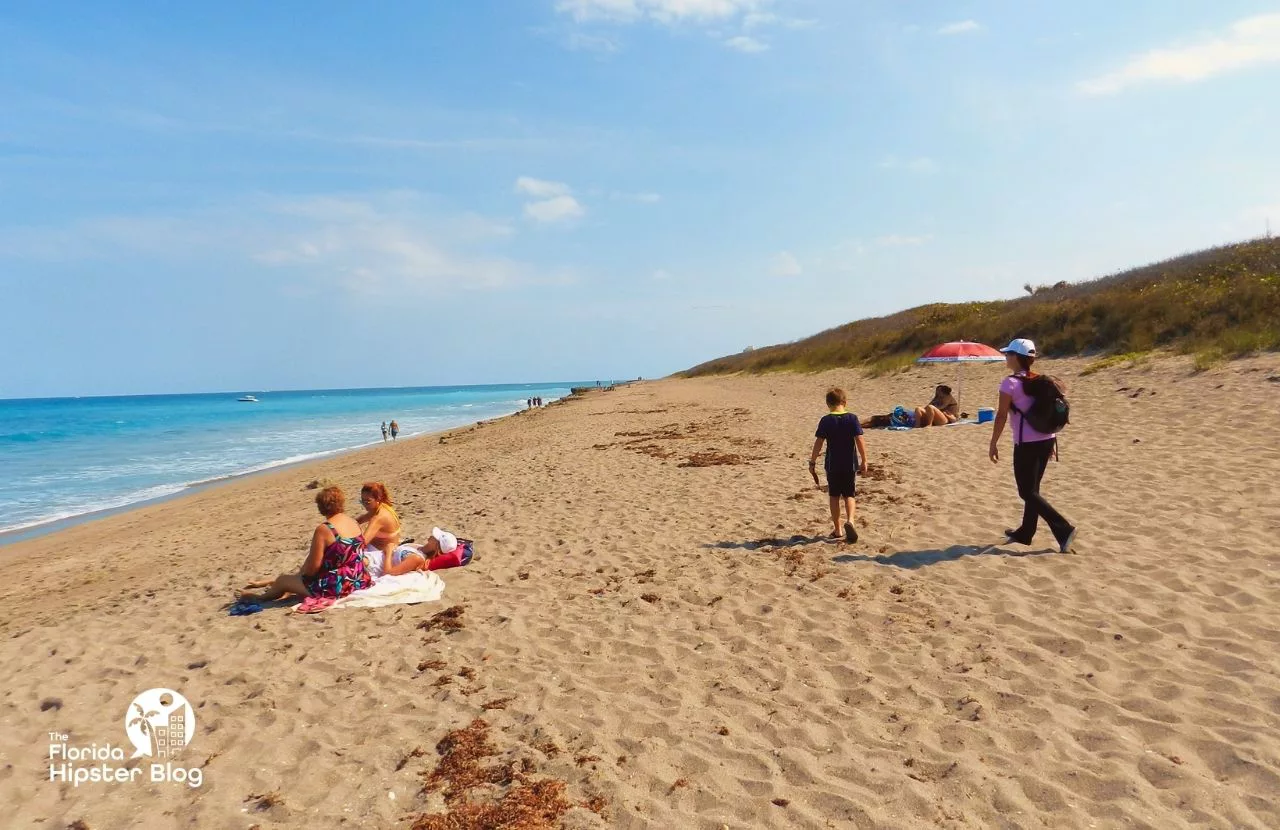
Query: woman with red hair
(379, 521)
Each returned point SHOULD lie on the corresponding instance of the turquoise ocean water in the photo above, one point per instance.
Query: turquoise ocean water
(67, 457)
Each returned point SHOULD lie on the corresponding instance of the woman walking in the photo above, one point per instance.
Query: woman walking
(1032, 449)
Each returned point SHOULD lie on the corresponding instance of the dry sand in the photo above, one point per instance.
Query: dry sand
(671, 641)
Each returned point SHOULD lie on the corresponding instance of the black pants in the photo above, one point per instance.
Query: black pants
(1029, 463)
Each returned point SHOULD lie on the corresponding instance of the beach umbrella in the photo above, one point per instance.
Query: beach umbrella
(961, 352)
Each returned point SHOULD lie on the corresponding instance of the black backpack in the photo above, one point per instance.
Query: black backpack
(1049, 411)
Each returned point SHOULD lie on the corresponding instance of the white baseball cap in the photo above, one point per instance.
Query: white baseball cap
(448, 542)
(1021, 346)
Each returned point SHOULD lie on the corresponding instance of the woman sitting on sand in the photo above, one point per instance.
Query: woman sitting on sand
(334, 566)
(380, 523)
(942, 410)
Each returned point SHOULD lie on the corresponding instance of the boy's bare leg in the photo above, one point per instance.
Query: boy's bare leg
(850, 507)
(835, 516)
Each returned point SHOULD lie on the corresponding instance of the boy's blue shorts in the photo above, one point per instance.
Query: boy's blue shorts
(842, 484)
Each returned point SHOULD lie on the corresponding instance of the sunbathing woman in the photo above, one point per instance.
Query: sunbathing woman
(439, 551)
(333, 567)
(942, 410)
(380, 523)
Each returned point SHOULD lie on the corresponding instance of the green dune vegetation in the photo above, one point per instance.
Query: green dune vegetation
(1217, 304)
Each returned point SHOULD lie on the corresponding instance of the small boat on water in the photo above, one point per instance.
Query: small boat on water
(248, 399)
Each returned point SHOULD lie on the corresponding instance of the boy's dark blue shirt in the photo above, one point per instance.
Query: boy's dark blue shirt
(839, 432)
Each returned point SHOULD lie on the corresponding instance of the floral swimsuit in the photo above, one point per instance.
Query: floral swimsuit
(342, 569)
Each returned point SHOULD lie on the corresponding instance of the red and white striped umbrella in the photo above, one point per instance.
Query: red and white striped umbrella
(961, 351)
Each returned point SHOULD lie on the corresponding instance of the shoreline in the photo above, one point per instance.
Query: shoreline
(46, 527)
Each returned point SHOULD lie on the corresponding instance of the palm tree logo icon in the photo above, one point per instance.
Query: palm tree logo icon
(159, 723)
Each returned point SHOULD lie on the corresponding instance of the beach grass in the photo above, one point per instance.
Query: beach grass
(1225, 299)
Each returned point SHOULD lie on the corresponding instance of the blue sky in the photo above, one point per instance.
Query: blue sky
(200, 197)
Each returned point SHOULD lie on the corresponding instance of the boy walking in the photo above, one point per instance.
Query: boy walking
(845, 454)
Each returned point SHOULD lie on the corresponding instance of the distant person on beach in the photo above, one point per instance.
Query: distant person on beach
(380, 523)
(384, 430)
(528, 403)
(1032, 449)
(846, 456)
(334, 566)
(395, 430)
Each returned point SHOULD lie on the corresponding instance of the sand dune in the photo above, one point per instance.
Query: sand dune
(669, 636)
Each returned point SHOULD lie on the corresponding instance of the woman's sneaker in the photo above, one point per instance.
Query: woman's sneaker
(1064, 545)
(1012, 536)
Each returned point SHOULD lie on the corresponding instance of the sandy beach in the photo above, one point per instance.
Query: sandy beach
(655, 632)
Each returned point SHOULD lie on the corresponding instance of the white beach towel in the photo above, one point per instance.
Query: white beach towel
(405, 589)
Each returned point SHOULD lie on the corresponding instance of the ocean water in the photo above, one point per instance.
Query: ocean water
(67, 457)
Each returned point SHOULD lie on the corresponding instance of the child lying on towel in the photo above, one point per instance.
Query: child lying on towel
(442, 550)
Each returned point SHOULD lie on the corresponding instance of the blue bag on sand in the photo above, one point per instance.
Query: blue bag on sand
(900, 418)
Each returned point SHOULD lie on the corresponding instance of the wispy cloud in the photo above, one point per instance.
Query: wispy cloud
(559, 209)
(1249, 42)
(643, 198)
(599, 44)
(744, 43)
(395, 242)
(920, 164)
(736, 24)
(894, 240)
(541, 188)
(961, 27)
(661, 275)
(754, 20)
(784, 264)
(663, 11)
(553, 202)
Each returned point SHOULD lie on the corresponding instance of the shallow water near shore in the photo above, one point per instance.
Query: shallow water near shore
(70, 457)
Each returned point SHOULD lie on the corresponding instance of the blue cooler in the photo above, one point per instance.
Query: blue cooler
(986, 415)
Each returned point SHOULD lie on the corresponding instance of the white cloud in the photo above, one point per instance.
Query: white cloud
(894, 240)
(962, 27)
(753, 20)
(642, 198)
(1248, 42)
(540, 188)
(921, 164)
(558, 209)
(749, 45)
(582, 42)
(395, 242)
(784, 264)
(663, 11)
(553, 201)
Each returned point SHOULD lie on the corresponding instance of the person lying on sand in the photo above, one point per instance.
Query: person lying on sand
(334, 566)
(942, 410)
(440, 551)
